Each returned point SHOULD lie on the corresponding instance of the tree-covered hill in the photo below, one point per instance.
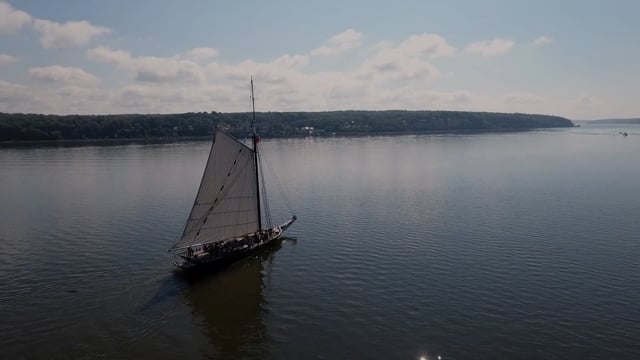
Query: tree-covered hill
(20, 127)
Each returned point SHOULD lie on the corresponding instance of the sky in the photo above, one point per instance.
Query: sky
(577, 59)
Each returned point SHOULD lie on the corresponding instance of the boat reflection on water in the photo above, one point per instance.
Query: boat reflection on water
(230, 305)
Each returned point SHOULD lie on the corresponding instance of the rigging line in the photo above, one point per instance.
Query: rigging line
(264, 190)
(279, 188)
(267, 210)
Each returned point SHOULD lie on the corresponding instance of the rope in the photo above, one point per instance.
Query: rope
(278, 184)
(265, 198)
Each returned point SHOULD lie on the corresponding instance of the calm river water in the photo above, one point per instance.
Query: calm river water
(518, 245)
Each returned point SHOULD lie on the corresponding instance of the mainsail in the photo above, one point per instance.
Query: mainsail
(227, 202)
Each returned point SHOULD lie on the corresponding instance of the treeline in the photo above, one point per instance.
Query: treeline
(21, 127)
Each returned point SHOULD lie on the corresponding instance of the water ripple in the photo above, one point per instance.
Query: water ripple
(493, 245)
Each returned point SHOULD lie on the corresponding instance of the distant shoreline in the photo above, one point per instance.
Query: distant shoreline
(134, 127)
(172, 140)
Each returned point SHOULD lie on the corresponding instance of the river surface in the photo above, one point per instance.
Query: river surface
(516, 245)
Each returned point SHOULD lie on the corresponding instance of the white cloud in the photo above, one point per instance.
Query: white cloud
(12, 92)
(62, 35)
(157, 69)
(20, 98)
(180, 83)
(391, 67)
(150, 68)
(493, 47)
(202, 54)
(338, 44)
(402, 74)
(288, 61)
(407, 61)
(108, 55)
(182, 68)
(7, 59)
(12, 20)
(63, 74)
(430, 45)
(52, 34)
(541, 41)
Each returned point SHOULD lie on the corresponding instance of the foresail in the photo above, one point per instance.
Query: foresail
(226, 204)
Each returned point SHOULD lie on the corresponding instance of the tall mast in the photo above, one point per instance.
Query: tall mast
(255, 153)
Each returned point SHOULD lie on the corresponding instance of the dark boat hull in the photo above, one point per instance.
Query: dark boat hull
(195, 266)
(191, 264)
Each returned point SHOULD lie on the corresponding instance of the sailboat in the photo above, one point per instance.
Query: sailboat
(225, 222)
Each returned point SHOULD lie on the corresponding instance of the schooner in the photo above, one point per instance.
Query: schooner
(225, 223)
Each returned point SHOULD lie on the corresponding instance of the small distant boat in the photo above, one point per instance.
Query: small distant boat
(225, 223)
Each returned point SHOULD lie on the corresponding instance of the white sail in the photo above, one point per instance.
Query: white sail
(226, 205)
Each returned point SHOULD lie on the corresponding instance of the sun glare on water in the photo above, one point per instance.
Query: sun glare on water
(424, 357)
